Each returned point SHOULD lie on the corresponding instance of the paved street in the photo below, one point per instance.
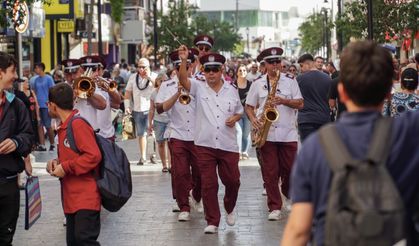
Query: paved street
(147, 218)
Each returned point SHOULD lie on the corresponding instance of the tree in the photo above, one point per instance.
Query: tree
(9, 9)
(312, 32)
(182, 23)
(117, 7)
(391, 18)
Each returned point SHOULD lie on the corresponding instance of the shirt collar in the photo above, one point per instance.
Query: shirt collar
(359, 117)
(64, 124)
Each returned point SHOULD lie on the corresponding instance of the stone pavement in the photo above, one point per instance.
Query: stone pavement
(147, 218)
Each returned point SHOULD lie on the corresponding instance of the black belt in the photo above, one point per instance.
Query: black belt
(4, 180)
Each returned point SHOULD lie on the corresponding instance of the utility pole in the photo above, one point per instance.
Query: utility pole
(99, 23)
(370, 24)
(327, 35)
(155, 31)
(89, 28)
(236, 20)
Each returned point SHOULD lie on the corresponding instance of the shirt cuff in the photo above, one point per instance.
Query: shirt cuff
(16, 142)
(66, 167)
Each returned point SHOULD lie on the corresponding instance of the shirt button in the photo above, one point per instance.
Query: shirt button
(187, 111)
(218, 127)
(218, 116)
(187, 121)
(216, 138)
(217, 105)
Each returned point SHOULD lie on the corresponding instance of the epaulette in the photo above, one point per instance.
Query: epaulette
(171, 83)
(289, 76)
(234, 85)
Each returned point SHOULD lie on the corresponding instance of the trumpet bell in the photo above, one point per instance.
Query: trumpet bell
(84, 86)
(184, 99)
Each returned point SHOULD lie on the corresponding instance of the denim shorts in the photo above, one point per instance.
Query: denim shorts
(141, 122)
(159, 129)
(45, 118)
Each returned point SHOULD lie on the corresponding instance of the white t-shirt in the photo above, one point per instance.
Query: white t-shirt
(141, 93)
(163, 117)
(104, 118)
(182, 117)
(87, 111)
(285, 128)
(212, 110)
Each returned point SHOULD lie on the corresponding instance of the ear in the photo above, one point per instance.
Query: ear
(343, 96)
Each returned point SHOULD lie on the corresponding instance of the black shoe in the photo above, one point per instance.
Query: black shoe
(140, 162)
(40, 148)
(51, 148)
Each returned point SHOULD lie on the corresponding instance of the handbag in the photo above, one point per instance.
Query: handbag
(128, 127)
(33, 204)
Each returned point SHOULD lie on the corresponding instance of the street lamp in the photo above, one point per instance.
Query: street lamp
(155, 31)
(247, 34)
(369, 13)
(326, 31)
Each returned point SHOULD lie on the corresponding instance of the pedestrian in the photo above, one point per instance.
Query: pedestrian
(278, 152)
(158, 124)
(318, 63)
(218, 110)
(16, 136)
(314, 86)
(243, 125)
(80, 196)
(41, 85)
(254, 73)
(139, 88)
(363, 88)
(293, 70)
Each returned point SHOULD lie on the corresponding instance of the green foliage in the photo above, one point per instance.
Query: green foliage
(393, 18)
(238, 48)
(184, 23)
(117, 7)
(7, 11)
(312, 32)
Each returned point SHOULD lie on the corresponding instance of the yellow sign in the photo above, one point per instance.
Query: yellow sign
(65, 26)
(57, 7)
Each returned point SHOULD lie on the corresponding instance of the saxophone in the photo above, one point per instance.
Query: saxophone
(270, 115)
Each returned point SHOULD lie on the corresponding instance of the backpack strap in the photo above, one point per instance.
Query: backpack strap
(70, 135)
(337, 154)
(380, 144)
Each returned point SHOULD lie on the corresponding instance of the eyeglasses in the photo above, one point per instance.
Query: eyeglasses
(143, 67)
(273, 61)
(214, 69)
(203, 48)
(292, 70)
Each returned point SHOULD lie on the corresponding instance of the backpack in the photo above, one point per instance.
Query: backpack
(114, 177)
(364, 206)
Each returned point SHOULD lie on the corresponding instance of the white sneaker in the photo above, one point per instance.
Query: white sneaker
(65, 221)
(183, 216)
(175, 208)
(199, 207)
(287, 205)
(264, 192)
(274, 215)
(194, 204)
(211, 229)
(230, 219)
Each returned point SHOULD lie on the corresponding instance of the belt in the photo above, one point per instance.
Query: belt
(4, 180)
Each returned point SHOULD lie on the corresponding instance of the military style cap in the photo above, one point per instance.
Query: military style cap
(270, 53)
(204, 39)
(212, 59)
(92, 61)
(174, 56)
(70, 65)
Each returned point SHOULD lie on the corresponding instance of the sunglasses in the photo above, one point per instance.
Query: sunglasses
(143, 67)
(293, 70)
(214, 69)
(284, 66)
(273, 61)
(203, 48)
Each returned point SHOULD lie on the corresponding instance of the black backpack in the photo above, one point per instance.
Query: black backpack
(364, 206)
(114, 178)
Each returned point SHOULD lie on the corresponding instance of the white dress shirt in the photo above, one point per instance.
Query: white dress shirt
(141, 98)
(87, 111)
(182, 117)
(104, 118)
(285, 128)
(212, 111)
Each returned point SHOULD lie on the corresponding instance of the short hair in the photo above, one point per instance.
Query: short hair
(40, 65)
(366, 73)
(62, 95)
(124, 66)
(318, 57)
(6, 61)
(409, 79)
(305, 57)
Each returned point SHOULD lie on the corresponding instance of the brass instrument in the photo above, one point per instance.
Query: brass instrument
(184, 98)
(104, 82)
(270, 115)
(84, 85)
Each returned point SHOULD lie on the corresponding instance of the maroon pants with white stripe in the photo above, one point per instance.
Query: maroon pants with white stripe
(277, 160)
(185, 173)
(209, 160)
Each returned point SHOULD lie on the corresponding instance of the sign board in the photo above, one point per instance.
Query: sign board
(65, 26)
(133, 32)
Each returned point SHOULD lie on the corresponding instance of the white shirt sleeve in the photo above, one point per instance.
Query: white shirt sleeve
(194, 86)
(130, 84)
(161, 94)
(253, 95)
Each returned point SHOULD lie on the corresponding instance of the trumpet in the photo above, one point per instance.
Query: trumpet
(184, 98)
(84, 85)
(104, 83)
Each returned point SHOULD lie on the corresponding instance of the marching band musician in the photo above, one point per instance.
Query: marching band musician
(70, 68)
(204, 45)
(280, 148)
(113, 100)
(139, 88)
(218, 108)
(180, 133)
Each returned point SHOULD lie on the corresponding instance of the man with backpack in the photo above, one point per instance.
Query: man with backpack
(355, 182)
(80, 194)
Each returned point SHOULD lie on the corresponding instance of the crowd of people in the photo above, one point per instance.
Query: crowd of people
(206, 112)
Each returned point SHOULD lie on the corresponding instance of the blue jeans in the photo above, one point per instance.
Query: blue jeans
(243, 127)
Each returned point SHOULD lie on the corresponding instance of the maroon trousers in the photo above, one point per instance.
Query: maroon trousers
(277, 160)
(227, 163)
(185, 173)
